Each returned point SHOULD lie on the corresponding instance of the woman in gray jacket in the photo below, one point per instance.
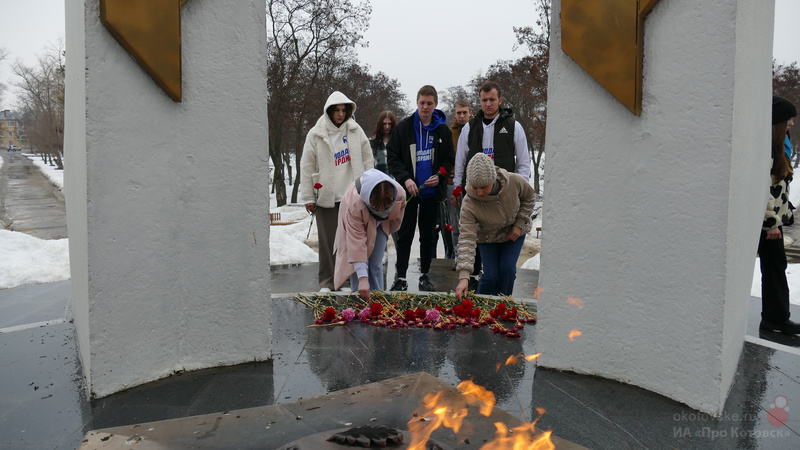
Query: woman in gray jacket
(495, 214)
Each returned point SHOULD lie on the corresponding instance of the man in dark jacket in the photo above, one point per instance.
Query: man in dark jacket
(421, 157)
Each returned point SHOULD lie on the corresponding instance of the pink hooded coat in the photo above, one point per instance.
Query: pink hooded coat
(355, 236)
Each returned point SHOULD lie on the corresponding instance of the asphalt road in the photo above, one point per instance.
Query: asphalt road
(29, 201)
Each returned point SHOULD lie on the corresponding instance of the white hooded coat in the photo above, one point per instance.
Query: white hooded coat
(320, 162)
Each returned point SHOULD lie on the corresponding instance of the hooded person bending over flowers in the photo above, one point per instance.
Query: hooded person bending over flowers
(371, 210)
(495, 214)
(336, 153)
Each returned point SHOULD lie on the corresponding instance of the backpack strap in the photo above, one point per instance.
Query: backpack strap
(358, 185)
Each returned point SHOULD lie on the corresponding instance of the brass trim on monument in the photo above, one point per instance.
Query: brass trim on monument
(606, 38)
(150, 31)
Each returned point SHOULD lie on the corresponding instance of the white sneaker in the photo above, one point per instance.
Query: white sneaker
(324, 291)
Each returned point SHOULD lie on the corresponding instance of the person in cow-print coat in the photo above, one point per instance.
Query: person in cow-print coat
(774, 287)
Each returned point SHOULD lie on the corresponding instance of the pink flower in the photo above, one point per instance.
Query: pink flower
(365, 314)
(432, 315)
(348, 314)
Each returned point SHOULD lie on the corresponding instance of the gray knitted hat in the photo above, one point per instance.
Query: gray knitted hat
(480, 171)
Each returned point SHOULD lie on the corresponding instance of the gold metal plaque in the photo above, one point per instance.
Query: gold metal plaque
(150, 31)
(606, 38)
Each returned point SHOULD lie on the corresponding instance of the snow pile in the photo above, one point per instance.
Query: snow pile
(288, 243)
(30, 260)
(532, 263)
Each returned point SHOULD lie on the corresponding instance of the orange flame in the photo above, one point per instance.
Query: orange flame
(431, 415)
(533, 357)
(574, 333)
(537, 291)
(437, 411)
(521, 438)
(478, 395)
(513, 359)
(575, 301)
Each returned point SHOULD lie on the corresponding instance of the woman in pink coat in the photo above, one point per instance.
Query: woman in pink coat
(371, 209)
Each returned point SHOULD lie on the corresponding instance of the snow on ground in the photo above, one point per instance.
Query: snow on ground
(287, 243)
(28, 260)
(52, 172)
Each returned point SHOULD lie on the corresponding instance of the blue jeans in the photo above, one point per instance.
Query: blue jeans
(374, 265)
(499, 267)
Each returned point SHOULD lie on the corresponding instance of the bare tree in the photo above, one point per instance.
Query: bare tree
(41, 100)
(3, 86)
(449, 97)
(533, 70)
(306, 41)
(523, 83)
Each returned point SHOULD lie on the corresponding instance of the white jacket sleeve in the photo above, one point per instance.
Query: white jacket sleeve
(521, 152)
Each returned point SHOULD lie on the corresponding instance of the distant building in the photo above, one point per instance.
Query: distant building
(12, 130)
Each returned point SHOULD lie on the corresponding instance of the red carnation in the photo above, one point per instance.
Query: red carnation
(442, 172)
(409, 315)
(376, 309)
(329, 314)
(317, 186)
(457, 191)
(420, 313)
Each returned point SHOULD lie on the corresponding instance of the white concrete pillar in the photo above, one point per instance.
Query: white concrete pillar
(168, 203)
(652, 222)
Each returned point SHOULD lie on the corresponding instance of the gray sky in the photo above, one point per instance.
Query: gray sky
(395, 47)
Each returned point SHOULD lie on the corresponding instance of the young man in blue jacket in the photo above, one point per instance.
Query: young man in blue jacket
(421, 157)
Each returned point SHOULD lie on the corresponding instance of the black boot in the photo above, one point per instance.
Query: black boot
(787, 326)
(399, 285)
(425, 283)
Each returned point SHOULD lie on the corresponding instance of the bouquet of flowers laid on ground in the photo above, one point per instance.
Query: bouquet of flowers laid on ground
(442, 173)
(317, 187)
(503, 315)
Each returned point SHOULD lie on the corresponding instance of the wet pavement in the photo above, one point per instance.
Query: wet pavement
(43, 402)
(29, 201)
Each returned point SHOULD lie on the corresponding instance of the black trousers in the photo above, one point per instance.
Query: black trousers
(774, 287)
(428, 215)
